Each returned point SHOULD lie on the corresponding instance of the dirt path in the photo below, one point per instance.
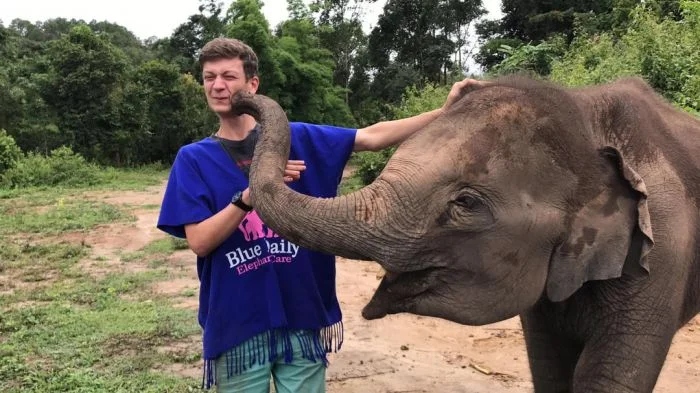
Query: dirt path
(399, 353)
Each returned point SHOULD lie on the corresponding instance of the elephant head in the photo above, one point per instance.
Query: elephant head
(507, 197)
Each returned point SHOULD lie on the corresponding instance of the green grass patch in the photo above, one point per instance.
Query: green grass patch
(350, 184)
(35, 262)
(133, 178)
(111, 348)
(108, 179)
(165, 246)
(59, 215)
(54, 255)
(64, 329)
(84, 291)
(105, 335)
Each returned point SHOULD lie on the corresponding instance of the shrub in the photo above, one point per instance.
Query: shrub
(10, 153)
(662, 51)
(531, 58)
(370, 164)
(415, 102)
(62, 167)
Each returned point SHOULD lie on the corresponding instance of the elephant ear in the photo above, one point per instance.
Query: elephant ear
(608, 237)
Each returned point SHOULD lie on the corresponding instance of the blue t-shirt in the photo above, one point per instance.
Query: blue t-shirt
(256, 281)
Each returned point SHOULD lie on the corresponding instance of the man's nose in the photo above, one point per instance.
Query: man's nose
(219, 83)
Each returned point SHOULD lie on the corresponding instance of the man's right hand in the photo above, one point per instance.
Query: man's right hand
(293, 170)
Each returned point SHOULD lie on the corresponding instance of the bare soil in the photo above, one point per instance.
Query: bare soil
(399, 353)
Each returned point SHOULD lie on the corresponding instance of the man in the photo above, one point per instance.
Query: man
(268, 308)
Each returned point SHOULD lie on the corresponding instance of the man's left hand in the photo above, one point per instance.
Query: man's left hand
(461, 88)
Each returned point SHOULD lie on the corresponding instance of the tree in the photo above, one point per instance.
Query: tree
(534, 21)
(308, 67)
(661, 50)
(156, 111)
(247, 23)
(184, 44)
(10, 153)
(415, 40)
(340, 31)
(85, 70)
(23, 73)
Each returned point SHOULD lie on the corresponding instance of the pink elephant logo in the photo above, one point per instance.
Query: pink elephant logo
(253, 228)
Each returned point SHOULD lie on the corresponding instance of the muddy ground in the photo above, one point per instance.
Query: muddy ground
(399, 353)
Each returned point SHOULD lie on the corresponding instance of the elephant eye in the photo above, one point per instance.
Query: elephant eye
(468, 201)
(469, 210)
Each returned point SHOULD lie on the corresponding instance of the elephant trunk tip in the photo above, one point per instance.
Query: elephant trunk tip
(245, 103)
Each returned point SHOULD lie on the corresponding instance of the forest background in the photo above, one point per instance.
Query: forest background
(94, 92)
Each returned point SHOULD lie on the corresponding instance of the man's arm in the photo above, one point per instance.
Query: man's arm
(388, 133)
(203, 237)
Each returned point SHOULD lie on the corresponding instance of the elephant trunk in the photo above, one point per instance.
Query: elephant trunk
(346, 226)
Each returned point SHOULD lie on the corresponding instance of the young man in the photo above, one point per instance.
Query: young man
(268, 308)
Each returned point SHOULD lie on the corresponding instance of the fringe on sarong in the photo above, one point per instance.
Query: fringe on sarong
(264, 348)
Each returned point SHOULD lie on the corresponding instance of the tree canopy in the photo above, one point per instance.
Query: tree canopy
(117, 100)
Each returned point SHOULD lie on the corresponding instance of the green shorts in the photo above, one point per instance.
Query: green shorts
(301, 375)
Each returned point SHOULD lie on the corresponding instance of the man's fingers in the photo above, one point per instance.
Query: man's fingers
(293, 170)
(468, 85)
(295, 166)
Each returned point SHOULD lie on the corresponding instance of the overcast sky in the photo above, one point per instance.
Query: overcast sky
(147, 18)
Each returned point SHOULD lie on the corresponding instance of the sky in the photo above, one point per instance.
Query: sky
(153, 18)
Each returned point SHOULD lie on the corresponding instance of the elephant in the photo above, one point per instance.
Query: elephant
(576, 209)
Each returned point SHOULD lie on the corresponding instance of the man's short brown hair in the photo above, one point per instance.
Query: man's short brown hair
(230, 48)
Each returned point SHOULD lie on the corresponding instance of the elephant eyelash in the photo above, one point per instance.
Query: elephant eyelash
(467, 201)
(469, 209)
(470, 198)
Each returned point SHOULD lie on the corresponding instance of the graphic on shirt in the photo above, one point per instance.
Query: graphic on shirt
(253, 228)
(255, 254)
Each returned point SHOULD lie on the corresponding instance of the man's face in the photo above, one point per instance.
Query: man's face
(222, 79)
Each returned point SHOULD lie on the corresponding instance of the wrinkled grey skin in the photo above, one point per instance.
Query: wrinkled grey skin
(525, 199)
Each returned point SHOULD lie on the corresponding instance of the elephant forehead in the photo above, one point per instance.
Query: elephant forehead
(503, 145)
(525, 180)
(526, 198)
(489, 154)
(478, 153)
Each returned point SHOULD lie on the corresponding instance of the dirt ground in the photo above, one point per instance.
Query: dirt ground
(399, 353)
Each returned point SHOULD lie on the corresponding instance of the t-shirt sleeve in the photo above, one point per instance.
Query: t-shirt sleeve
(323, 146)
(186, 199)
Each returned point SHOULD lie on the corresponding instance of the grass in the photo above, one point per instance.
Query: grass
(57, 216)
(103, 335)
(60, 209)
(63, 329)
(133, 179)
(109, 179)
(156, 252)
(350, 184)
(353, 182)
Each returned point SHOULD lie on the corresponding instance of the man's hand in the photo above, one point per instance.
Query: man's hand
(293, 170)
(459, 89)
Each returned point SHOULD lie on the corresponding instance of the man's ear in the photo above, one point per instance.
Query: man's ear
(253, 84)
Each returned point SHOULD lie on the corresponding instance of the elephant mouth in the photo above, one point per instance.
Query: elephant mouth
(400, 292)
